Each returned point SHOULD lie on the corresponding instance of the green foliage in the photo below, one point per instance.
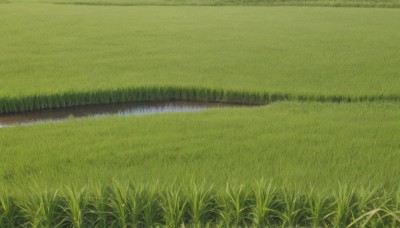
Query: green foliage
(174, 206)
(329, 3)
(227, 54)
(286, 141)
(41, 210)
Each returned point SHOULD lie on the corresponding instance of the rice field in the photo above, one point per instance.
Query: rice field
(300, 51)
(318, 147)
(296, 145)
(198, 205)
(326, 3)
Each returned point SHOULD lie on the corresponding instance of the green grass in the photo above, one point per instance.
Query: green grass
(198, 205)
(329, 3)
(58, 55)
(296, 144)
(317, 52)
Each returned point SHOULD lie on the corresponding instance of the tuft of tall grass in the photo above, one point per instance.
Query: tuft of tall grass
(264, 201)
(9, 214)
(41, 210)
(174, 207)
(201, 204)
(74, 205)
(235, 204)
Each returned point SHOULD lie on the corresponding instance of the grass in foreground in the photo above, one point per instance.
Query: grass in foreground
(295, 144)
(197, 205)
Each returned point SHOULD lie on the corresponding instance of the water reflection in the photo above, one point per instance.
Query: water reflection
(136, 108)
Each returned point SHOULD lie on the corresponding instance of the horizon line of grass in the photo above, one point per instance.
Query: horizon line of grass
(318, 3)
(200, 205)
(24, 103)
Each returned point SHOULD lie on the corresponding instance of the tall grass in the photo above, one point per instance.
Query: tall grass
(199, 205)
(329, 3)
(68, 99)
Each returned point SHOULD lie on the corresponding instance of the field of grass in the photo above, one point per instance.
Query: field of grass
(299, 51)
(295, 144)
(329, 3)
(330, 77)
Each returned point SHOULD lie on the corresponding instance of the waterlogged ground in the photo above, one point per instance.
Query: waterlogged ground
(95, 111)
(295, 144)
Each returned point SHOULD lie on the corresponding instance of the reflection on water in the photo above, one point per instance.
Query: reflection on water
(138, 108)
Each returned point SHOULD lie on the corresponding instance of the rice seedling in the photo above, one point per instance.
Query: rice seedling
(235, 206)
(318, 208)
(263, 212)
(201, 204)
(135, 204)
(152, 210)
(9, 214)
(174, 207)
(292, 203)
(345, 203)
(40, 210)
(74, 206)
(118, 204)
(97, 204)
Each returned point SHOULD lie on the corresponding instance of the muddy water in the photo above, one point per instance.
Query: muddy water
(138, 108)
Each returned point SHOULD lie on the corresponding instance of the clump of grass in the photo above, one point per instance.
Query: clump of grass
(74, 205)
(41, 210)
(9, 213)
(199, 205)
(264, 200)
(69, 99)
(174, 207)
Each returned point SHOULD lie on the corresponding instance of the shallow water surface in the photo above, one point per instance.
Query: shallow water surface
(134, 108)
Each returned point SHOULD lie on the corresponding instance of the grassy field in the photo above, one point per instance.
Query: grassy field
(300, 51)
(329, 3)
(296, 144)
(334, 71)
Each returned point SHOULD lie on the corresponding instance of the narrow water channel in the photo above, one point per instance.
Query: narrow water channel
(134, 108)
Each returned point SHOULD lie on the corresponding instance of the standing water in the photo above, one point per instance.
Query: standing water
(134, 108)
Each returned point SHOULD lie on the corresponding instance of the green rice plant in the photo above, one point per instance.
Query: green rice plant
(264, 198)
(151, 201)
(41, 210)
(318, 208)
(135, 204)
(344, 203)
(396, 208)
(149, 205)
(201, 204)
(119, 205)
(291, 211)
(368, 206)
(135, 94)
(9, 214)
(74, 206)
(235, 206)
(97, 204)
(378, 209)
(174, 207)
(125, 204)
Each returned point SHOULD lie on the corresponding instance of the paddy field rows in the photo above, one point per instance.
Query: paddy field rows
(327, 78)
